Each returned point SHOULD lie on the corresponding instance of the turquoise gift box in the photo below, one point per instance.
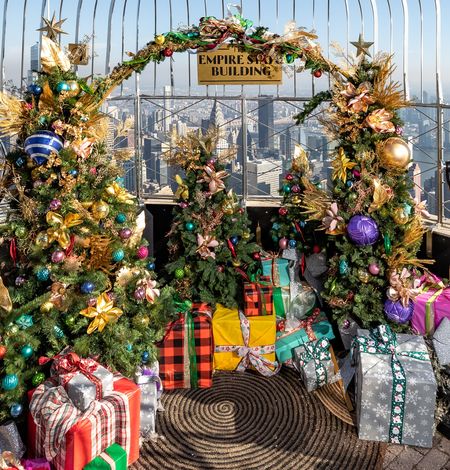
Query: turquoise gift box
(277, 269)
(287, 342)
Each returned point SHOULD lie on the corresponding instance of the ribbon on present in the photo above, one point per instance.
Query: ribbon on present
(402, 287)
(278, 303)
(306, 325)
(317, 352)
(70, 364)
(252, 355)
(427, 282)
(274, 270)
(9, 461)
(382, 340)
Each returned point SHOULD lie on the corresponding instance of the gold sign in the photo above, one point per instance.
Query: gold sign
(232, 67)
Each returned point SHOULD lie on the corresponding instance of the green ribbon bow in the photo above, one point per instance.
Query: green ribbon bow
(382, 340)
(318, 352)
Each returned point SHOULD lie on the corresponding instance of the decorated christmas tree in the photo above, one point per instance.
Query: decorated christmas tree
(77, 272)
(209, 241)
(375, 226)
(290, 227)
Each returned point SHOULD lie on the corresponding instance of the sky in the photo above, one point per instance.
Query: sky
(327, 17)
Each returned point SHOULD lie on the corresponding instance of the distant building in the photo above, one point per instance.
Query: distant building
(264, 177)
(265, 123)
(34, 63)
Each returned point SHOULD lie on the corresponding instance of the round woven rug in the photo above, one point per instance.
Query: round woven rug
(249, 422)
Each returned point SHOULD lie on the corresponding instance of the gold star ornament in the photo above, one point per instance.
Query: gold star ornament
(362, 47)
(52, 27)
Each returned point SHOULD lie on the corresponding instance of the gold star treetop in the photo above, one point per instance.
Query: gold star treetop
(52, 27)
(362, 47)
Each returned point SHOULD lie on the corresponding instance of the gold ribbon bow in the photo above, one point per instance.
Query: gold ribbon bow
(402, 287)
(58, 296)
(120, 193)
(382, 193)
(341, 163)
(102, 313)
(61, 225)
(182, 191)
(83, 148)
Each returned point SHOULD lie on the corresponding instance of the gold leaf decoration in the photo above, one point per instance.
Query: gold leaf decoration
(52, 56)
(100, 252)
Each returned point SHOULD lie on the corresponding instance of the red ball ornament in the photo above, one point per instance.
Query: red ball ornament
(142, 252)
(289, 177)
(93, 170)
(2, 351)
(167, 52)
(256, 256)
(241, 210)
(282, 211)
(220, 268)
(317, 73)
(211, 46)
(316, 249)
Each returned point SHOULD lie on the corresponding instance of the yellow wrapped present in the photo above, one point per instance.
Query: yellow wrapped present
(242, 342)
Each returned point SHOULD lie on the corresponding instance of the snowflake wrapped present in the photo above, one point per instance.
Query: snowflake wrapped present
(395, 387)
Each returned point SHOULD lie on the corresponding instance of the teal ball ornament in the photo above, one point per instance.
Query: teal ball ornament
(59, 333)
(121, 218)
(292, 243)
(62, 86)
(38, 378)
(118, 255)
(10, 382)
(43, 274)
(275, 226)
(189, 226)
(343, 267)
(286, 188)
(129, 347)
(27, 351)
(16, 410)
(289, 58)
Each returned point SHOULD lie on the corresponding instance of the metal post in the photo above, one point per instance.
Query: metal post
(440, 163)
(244, 150)
(137, 140)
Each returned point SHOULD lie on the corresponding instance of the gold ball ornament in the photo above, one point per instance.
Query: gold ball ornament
(246, 235)
(145, 320)
(100, 210)
(363, 276)
(395, 154)
(46, 307)
(400, 216)
(228, 211)
(42, 239)
(74, 88)
(236, 263)
(160, 39)
(296, 200)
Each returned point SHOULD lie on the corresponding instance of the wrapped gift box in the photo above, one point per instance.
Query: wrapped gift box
(36, 464)
(10, 440)
(70, 438)
(147, 377)
(277, 269)
(303, 303)
(395, 388)
(430, 308)
(186, 351)
(441, 342)
(315, 327)
(241, 342)
(314, 362)
(281, 301)
(84, 379)
(113, 458)
(258, 297)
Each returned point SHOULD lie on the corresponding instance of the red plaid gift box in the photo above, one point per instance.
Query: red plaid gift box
(70, 438)
(258, 297)
(186, 351)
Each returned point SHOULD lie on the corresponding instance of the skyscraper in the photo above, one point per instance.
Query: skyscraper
(34, 63)
(168, 109)
(265, 123)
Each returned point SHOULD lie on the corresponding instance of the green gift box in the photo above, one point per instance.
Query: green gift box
(113, 458)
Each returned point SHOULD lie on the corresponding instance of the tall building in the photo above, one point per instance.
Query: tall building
(34, 63)
(265, 123)
(168, 109)
(286, 144)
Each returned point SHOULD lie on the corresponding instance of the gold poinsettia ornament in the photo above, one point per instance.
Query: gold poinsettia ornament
(341, 164)
(60, 227)
(380, 121)
(204, 244)
(214, 179)
(382, 193)
(120, 193)
(360, 98)
(102, 313)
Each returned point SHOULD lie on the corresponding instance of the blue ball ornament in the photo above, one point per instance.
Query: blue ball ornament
(343, 267)
(292, 243)
(151, 266)
(121, 218)
(62, 86)
(16, 410)
(275, 226)
(10, 382)
(234, 239)
(349, 183)
(145, 356)
(20, 162)
(189, 226)
(118, 255)
(87, 287)
(35, 89)
(129, 347)
(73, 172)
(39, 146)
(26, 351)
(43, 274)
(59, 333)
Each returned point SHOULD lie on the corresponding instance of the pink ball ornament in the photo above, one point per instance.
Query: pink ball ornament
(92, 302)
(289, 177)
(58, 256)
(55, 204)
(399, 130)
(139, 293)
(93, 170)
(211, 162)
(125, 233)
(183, 205)
(374, 269)
(295, 188)
(356, 173)
(283, 243)
(142, 252)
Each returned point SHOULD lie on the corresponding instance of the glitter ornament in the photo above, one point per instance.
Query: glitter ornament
(167, 52)
(343, 267)
(10, 382)
(47, 307)
(400, 216)
(43, 274)
(38, 378)
(282, 211)
(139, 293)
(289, 177)
(58, 256)
(59, 333)
(256, 256)
(125, 233)
(55, 204)
(179, 273)
(121, 218)
(295, 188)
(142, 252)
(118, 255)
(363, 276)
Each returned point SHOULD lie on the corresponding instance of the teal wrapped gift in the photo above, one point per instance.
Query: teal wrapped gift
(277, 269)
(313, 328)
(281, 301)
(113, 458)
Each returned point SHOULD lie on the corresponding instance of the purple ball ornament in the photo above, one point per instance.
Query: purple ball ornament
(139, 293)
(125, 233)
(397, 312)
(183, 205)
(20, 281)
(55, 204)
(363, 230)
(58, 256)
(283, 243)
(374, 269)
(295, 188)
(142, 252)
(346, 324)
(211, 162)
(399, 130)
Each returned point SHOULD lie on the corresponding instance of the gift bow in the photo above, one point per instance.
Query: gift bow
(9, 461)
(253, 355)
(402, 287)
(382, 340)
(69, 365)
(120, 193)
(317, 352)
(61, 225)
(102, 313)
(306, 325)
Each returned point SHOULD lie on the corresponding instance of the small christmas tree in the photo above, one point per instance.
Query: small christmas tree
(290, 227)
(210, 237)
(78, 273)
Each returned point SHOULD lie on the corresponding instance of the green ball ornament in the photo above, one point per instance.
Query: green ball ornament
(10, 382)
(179, 273)
(20, 232)
(26, 351)
(38, 378)
(70, 320)
(189, 226)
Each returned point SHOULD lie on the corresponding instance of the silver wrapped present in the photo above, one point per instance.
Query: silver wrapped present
(10, 440)
(348, 330)
(395, 387)
(441, 342)
(303, 304)
(313, 361)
